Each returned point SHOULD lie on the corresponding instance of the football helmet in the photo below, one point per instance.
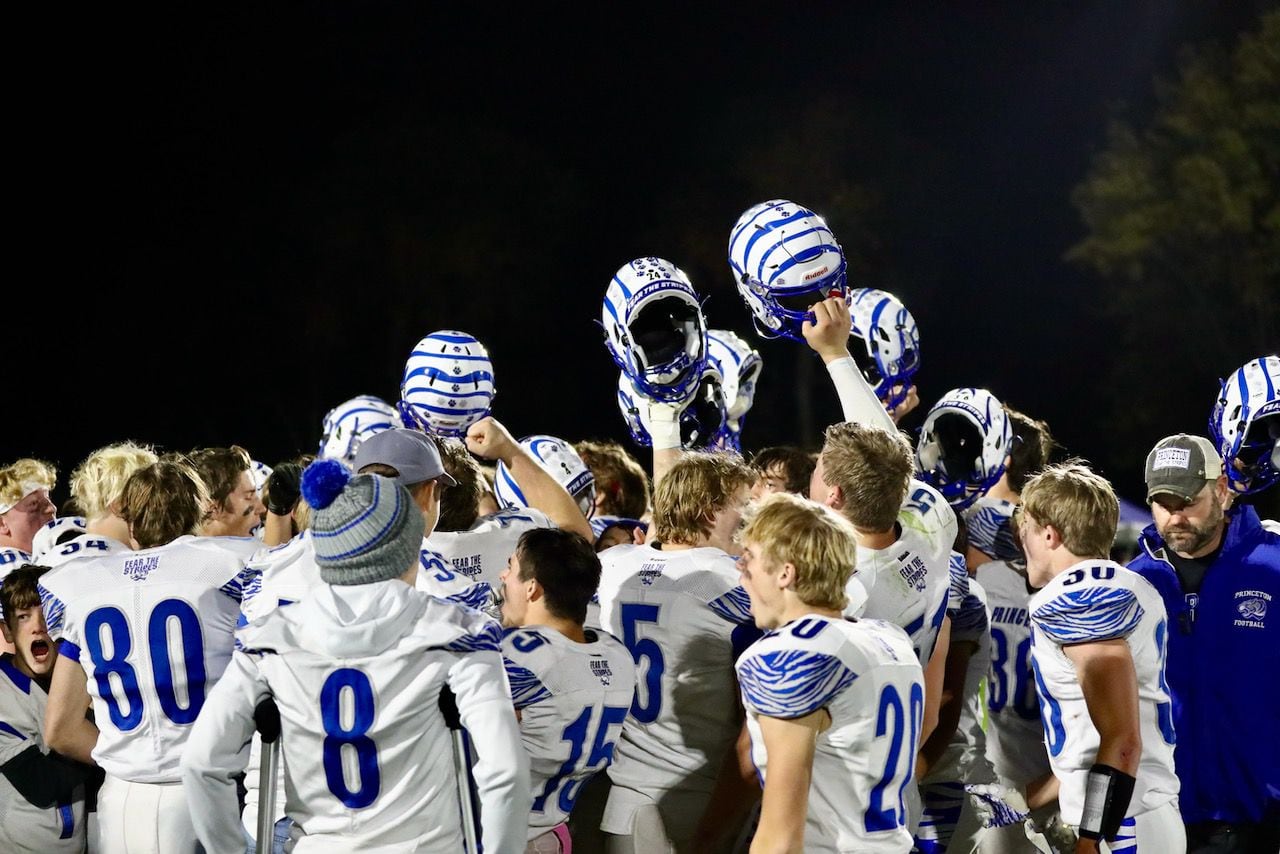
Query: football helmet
(562, 462)
(739, 365)
(654, 328)
(784, 259)
(1245, 425)
(891, 343)
(701, 414)
(258, 473)
(963, 445)
(54, 533)
(350, 423)
(447, 385)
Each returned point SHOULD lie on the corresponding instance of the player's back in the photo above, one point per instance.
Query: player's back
(908, 582)
(480, 553)
(866, 675)
(676, 610)
(82, 547)
(1098, 600)
(437, 577)
(573, 698)
(153, 630)
(1015, 735)
(357, 674)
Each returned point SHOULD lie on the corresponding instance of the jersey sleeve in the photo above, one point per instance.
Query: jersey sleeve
(991, 531)
(55, 610)
(245, 584)
(959, 581)
(790, 683)
(526, 687)
(1089, 614)
(734, 606)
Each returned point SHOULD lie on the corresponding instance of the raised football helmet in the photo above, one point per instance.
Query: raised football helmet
(963, 445)
(701, 415)
(562, 462)
(1245, 425)
(447, 385)
(890, 355)
(350, 423)
(654, 328)
(739, 365)
(784, 259)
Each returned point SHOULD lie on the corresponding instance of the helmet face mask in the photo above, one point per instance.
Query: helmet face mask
(350, 423)
(654, 328)
(1245, 425)
(963, 445)
(890, 356)
(447, 385)
(784, 259)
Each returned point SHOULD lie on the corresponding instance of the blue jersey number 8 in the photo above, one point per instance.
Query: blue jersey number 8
(113, 620)
(337, 736)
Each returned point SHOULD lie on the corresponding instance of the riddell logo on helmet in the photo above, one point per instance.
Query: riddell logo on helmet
(815, 274)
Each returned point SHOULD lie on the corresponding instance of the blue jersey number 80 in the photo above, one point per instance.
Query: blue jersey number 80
(127, 716)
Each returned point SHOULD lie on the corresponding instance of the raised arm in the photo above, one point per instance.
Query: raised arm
(488, 439)
(828, 336)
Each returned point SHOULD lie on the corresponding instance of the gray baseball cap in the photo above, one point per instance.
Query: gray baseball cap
(409, 452)
(1181, 465)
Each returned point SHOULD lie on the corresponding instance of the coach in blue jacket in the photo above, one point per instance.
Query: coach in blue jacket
(1218, 572)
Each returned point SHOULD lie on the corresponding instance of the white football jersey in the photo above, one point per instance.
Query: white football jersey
(25, 827)
(366, 755)
(437, 577)
(11, 559)
(245, 548)
(1015, 736)
(153, 630)
(481, 552)
(908, 582)
(1099, 600)
(866, 675)
(572, 698)
(81, 547)
(677, 612)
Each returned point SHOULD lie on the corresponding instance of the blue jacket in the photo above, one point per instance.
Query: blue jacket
(1223, 672)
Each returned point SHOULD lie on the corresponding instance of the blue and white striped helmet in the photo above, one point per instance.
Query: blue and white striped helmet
(784, 259)
(702, 414)
(963, 445)
(654, 328)
(448, 384)
(558, 458)
(55, 532)
(739, 365)
(891, 341)
(351, 422)
(1245, 425)
(258, 473)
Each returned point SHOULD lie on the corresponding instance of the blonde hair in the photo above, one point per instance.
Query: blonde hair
(18, 475)
(816, 540)
(98, 481)
(872, 467)
(1076, 501)
(693, 491)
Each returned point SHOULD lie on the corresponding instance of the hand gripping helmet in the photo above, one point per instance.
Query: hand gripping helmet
(963, 445)
(447, 385)
(654, 328)
(739, 365)
(350, 423)
(892, 342)
(784, 259)
(558, 458)
(1245, 425)
(702, 415)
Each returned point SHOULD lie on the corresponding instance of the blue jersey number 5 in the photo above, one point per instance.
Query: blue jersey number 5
(644, 648)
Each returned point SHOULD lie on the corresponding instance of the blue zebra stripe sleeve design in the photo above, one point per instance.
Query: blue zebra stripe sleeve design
(54, 610)
(969, 621)
(1094, 614)
(959, 578)
(734, 606)
(246, 585)
(990, 532)
(791, 683)
(476, 596)
(487, 637)
(526, 687)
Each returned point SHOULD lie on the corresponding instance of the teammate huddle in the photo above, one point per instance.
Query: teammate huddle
(925, 649)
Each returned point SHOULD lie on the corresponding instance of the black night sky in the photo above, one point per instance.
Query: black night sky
(243, 219)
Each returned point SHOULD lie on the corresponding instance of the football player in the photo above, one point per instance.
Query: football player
(237, 508)
(572, 686)
(1099, 634)
(24, 508)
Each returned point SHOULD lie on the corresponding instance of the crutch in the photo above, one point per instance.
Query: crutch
(266, 717)
(449, 708)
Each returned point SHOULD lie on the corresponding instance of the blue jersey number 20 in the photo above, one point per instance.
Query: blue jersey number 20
(899, 724)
